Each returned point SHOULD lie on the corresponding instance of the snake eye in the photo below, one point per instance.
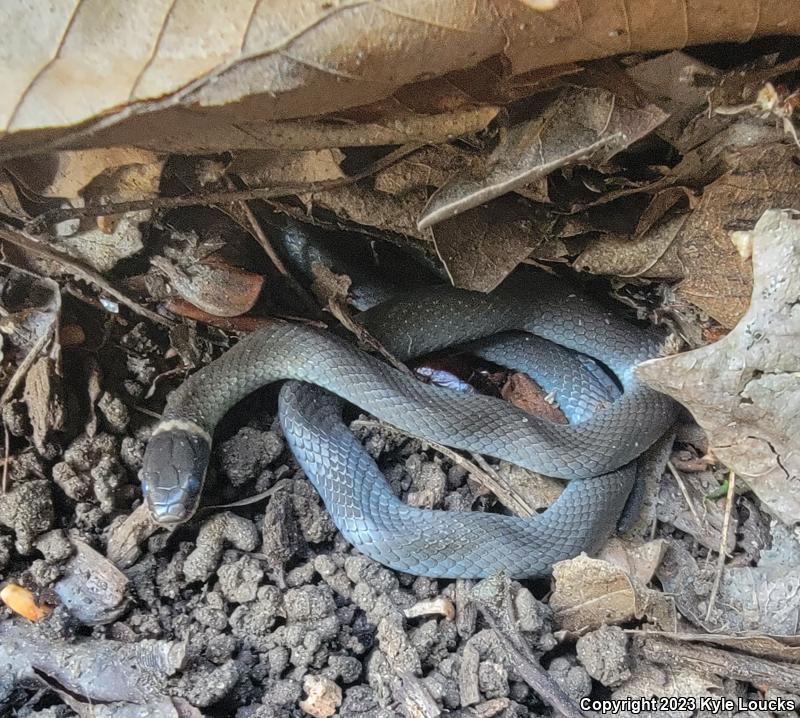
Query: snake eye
(173, 472)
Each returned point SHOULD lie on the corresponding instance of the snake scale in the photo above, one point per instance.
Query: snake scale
(600, 450)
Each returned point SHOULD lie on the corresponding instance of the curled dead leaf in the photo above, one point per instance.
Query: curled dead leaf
(80, 82)
(212, 285)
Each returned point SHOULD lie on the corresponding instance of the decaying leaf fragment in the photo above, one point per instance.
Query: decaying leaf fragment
(589, 592)
(744, 390)
(581, 123)
(481, 248)
(717, 277)
(212, 285)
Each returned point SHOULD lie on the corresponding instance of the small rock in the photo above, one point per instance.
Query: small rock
(574, 680)
(239, 580)
(28, 510)
(493, 679)
(246, 454)
(324, 696)
(309, 603)
(77, 487)
(604, 654)
(219, 530)
(114, 412)
(54, 545)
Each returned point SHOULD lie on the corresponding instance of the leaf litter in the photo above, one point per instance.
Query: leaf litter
(144, 228)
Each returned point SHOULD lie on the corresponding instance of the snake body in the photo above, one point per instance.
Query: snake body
(599, 450)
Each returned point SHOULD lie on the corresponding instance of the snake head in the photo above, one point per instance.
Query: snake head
(174, 469)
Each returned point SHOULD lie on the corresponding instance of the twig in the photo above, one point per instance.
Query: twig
(722, 543)
(35, 246)
(24, 366)
(6, 459)
(261, 237)
(488, 479)
(519, 655)
(684, 491)
(337, 308)
(38, 224)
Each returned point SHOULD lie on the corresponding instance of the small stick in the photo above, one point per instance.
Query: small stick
(520, 656)
(505, 494)
(722, 543)
(35, 246)
(261, 237)
(6, 459)
(682, 487)
(37, 224)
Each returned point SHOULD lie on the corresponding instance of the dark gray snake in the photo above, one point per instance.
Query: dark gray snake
(600, 450)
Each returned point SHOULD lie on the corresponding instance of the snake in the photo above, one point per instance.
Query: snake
(597, 454)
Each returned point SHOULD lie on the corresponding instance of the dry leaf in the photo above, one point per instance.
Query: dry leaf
(67, 174)
(762, 599)
(744, 389)
(653, 255)
(481, 248)
(704, 518)
(276, 168)
(718, 280)
(101, 249)
(678, 83)
(393, 213)
(427, 167)
(524, 393)
(212, 285)
(589, 592)
(136, 71)
(44, 398)
(638, 560)
(580, 124)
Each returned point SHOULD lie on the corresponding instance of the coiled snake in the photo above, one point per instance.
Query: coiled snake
(598, 452)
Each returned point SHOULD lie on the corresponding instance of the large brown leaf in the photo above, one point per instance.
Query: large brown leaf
(744, 389)
(115, 72)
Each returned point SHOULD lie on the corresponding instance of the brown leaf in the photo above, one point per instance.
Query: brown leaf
(480, 248)
(394, 213)
(264, 168)
(524, 393)
(212, 285)
(640, 561)
(678, 83)
(44, 397)
(762, 599)
(68, 173)
(102, 249)
(191, 133)
(580, 124)
(703, 518)
(133, 72)
(744, 390)
(589, 592)
(718, 280)
(653, 255)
